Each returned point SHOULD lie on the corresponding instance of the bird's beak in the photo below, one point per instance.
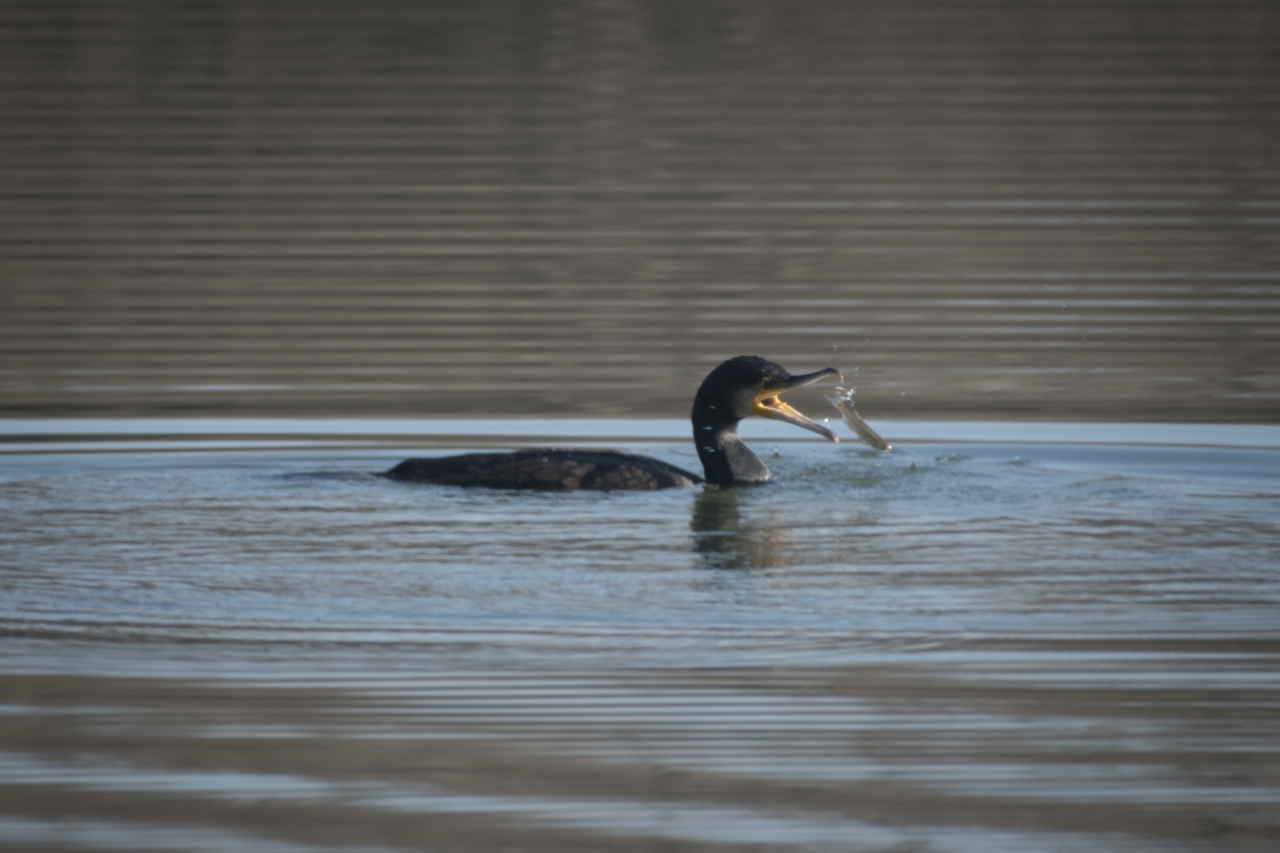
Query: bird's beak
(767, 405)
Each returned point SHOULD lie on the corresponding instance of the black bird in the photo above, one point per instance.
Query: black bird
(742, 386)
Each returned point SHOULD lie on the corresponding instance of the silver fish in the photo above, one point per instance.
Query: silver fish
(844, 404)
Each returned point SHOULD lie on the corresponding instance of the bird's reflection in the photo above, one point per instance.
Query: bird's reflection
(727, 540)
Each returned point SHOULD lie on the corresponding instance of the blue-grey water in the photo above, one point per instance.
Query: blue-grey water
(216, 639)
(252, 252)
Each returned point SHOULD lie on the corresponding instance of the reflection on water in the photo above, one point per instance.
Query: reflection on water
(729, 541)
(1057, 211)
(1020, 645)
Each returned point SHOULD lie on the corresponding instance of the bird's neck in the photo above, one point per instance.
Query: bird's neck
(726, 461)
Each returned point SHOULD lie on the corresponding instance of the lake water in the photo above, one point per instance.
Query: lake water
(224, 635)
(251, 252)
(990, 209)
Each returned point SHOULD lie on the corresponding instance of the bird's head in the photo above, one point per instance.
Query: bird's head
(749, 385)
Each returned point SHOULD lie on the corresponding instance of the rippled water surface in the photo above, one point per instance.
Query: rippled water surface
(993, 209)
(238, 641)
(262, 236)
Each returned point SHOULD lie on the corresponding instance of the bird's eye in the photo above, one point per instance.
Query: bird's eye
(766, 384)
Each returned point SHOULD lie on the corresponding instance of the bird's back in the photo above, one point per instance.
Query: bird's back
(547, 470)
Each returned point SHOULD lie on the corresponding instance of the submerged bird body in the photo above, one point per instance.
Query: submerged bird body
(549, 470)
(738, 388)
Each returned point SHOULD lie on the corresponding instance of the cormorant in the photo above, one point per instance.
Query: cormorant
(740, 387)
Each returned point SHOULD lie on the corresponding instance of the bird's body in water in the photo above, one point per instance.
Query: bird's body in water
(549, 470)
(738, 388)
